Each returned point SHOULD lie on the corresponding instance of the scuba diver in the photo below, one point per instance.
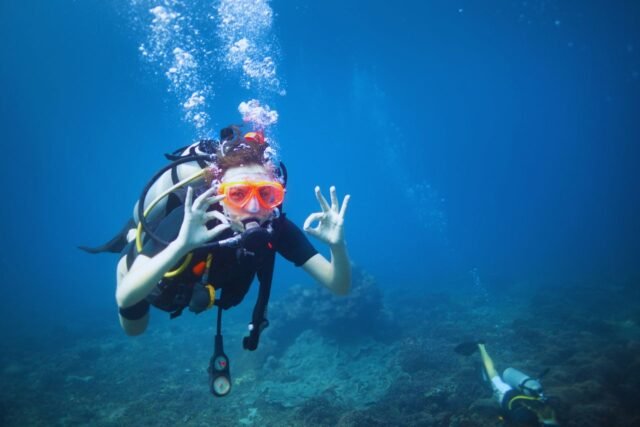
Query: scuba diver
(203, 245)
(521, 398)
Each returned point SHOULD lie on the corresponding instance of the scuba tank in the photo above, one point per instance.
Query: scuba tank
(523, 382)
(192, 164)
(188, 164)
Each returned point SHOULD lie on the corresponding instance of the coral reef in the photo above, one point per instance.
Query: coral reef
(350, 375)
(359, 315)
(323, 364)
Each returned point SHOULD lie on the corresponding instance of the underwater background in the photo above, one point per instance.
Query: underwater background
(491, 150)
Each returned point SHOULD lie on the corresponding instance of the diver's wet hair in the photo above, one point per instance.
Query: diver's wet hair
(235, 151)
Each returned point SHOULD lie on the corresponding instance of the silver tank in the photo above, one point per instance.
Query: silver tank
(521, 381)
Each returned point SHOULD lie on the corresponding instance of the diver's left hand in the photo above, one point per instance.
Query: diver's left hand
(330, 220)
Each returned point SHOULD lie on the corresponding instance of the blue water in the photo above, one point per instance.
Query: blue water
(495, 137)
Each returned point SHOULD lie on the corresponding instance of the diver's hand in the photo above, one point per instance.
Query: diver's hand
(194, 232)
(330, 220)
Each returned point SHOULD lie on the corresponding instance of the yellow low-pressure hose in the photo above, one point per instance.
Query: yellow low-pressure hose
(182, 267)
(155, 201)
(209, 286)
(520, 397)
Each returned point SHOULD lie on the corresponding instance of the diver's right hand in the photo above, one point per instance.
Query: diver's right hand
(194, 232)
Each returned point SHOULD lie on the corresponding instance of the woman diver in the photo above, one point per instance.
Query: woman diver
(209, 247)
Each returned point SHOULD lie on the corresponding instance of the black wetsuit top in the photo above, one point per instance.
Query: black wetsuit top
(228, 272)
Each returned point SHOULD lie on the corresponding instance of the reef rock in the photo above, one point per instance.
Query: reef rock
(361, 314)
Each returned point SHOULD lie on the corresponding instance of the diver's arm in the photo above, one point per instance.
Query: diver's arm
(499, 387)
(335, 275)
(146, 272)
(131, 326)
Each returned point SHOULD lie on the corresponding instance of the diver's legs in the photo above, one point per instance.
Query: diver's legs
(487, 362)
(499, 387)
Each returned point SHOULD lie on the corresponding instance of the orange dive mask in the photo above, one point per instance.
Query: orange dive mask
(268, 193)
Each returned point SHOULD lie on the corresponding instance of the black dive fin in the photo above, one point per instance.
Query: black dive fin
(543, 373)
(466, 348)
(116, 244)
